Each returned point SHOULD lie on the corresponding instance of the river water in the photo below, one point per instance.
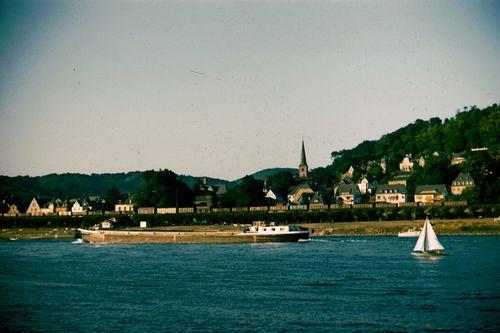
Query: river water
(324, 285)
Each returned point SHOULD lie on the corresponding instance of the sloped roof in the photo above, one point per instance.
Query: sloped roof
(317, 198)
(391, 189)
(437, 188)
(457, 155)
(294, 189)
(347, 188)
(362, 178)
(314, 197)
(463, 178)
(346, 179)
(277, 194)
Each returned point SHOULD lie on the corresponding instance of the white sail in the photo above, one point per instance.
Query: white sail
(420, 246)
(428, 240)
(431, 241)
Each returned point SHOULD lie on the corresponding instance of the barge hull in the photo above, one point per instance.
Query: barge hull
(131, 237)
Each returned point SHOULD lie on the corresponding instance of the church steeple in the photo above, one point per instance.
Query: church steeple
(303, 168)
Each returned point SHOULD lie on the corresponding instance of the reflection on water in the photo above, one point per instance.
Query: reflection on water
(427, 257)
(323, 285)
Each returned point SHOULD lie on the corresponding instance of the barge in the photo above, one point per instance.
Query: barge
(255, 234)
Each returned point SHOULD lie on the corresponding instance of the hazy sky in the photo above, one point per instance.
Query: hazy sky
(224, 88)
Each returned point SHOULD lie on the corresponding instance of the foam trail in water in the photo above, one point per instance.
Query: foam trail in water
(78, 241)
(316, 240)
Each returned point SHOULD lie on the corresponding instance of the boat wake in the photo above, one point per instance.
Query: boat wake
(78, 241)
(316, 240)
(352, 241)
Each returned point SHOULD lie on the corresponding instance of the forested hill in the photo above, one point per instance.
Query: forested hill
(77, 185)
(68, 185)
(263, 174)
(470, 128)
(436, 141)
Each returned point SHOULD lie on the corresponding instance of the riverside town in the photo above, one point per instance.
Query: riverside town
(405, 175)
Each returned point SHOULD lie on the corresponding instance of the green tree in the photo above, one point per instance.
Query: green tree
(435, 171)
(113, 196)
(483, 167)
(247, 193)
(281, 182)
(163, 189)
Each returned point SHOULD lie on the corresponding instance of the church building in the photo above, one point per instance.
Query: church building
(303, 168)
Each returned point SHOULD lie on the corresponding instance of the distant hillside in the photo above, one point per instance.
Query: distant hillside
(263, 174)
(76, 185)
(468, 129)
(191, 180)
(68, 185)
(435, 140)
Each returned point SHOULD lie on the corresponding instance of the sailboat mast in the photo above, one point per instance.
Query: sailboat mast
(426, 245)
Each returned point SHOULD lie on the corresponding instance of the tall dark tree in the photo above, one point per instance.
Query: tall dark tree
(113, 196)
(435, 171)
(163, 189)
(483, 167)
(281, 182)
(247, 193)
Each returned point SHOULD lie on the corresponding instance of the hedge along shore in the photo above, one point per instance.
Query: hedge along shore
(473, 226)
(472, 219)
(282, 217)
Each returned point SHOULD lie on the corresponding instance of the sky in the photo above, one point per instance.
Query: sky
(224, 89)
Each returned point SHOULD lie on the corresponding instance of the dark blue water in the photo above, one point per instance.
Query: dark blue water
(336, 284)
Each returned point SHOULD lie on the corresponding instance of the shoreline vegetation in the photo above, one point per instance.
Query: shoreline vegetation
(473, 226)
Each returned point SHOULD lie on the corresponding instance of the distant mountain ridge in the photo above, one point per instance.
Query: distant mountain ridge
(77, 185)
(263, 174)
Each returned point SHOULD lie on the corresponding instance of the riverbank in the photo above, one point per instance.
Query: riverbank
(372, 228)
(36, 233)
(391, 228)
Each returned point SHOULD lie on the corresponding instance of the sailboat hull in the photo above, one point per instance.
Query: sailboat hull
(429, 253)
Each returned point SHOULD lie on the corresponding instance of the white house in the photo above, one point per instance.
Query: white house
(76, 208)
(365, 186)
(421, 161)
(391, 194)
(349, 193)
(406, 164)
(125, 207)
(295, 192)
(383, 165)
(463, 181)
(274, 195)
(48, 208)
(34, 208)
(457, 158)
(430, 193)
(13, 211)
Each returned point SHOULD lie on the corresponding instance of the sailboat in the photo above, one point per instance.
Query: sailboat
(428, 242)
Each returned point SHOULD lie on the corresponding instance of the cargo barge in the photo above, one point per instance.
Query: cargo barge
(255, 234)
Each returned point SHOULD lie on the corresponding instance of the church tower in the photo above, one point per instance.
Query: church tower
(303, 168)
